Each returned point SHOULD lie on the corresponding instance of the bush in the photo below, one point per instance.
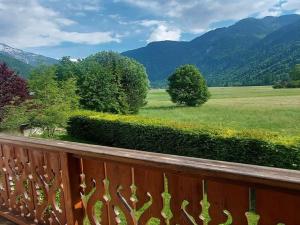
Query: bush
(187, 86)
(153, 135)
(13, 89)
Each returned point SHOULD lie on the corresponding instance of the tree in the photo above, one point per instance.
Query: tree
(13, 89)
(67, 69)
(187, 86)
(295, 72)
(52, 101)
(112, 83)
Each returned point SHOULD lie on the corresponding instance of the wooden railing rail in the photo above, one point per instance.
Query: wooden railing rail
(55, 182)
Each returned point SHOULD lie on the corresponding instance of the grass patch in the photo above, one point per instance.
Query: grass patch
(261, 109)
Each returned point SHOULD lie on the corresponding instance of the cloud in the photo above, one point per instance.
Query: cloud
(162, 32)
(291, 5)
(33, 25)
(194, 16)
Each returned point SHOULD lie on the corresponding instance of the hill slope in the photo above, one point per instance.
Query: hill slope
(21, 68)
(250, 52)
(26, 57)
(22, 62)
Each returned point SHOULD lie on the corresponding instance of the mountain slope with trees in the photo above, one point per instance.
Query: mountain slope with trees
(21, 68)
(22, 62)
(250, 52)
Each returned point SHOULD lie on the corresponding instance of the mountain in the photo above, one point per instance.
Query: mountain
(22, 61)
(21, 68)
(250, 52)
(26, 57)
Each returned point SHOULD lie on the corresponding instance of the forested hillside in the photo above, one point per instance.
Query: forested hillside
(21, 68)
(250, 52)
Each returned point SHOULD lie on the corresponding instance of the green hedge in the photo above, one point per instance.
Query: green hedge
(171, 138)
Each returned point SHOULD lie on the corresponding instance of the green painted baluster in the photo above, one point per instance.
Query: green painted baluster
(120, 216)
(229, 218)
(251, 216)
(97, 210)
(134, 212)
(204, 216)
(166, 196)
(85, 198)
(153, 221)
(184, 204)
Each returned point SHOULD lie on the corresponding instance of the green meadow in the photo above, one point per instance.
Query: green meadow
(240, 108)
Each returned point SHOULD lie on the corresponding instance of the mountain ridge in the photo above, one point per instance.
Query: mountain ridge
(222, 54)
(26, 57)
(21, 61)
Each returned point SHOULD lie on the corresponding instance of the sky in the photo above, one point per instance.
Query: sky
(78, 28)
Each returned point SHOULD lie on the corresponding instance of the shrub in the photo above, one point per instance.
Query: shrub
(187, 86)
(13, 89)
(159, 136)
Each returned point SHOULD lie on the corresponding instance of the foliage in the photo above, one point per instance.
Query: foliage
(295, 73)
(159, 136)
(20, 67)
(112, 83)
(13, 117)
(187, 86)
(53, 100)
(66, 69)
(13, 89)
(294, 81)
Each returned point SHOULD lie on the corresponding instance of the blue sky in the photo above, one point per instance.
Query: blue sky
(78, 28)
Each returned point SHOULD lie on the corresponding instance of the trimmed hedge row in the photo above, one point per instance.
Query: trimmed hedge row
(152, 135)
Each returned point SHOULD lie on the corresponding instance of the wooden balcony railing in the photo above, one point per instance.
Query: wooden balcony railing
(52, 182)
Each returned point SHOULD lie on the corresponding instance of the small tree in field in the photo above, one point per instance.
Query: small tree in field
(187, 86)
(13, 89)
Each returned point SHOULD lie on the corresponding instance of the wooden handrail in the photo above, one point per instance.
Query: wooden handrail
(78, 168)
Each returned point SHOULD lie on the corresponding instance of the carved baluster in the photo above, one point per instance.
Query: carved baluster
(252, 216)
(134, 212)
(166, 196)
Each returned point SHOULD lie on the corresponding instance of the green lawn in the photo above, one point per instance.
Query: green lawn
(263, 108)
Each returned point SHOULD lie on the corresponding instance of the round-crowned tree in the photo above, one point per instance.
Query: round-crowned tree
(113, 83)
(187, 86)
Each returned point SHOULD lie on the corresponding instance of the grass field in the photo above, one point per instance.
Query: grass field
(240, 108)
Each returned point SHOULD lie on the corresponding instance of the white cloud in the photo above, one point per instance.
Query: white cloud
(32, 25)
(198, 15)
(162, 32)
(293, 5)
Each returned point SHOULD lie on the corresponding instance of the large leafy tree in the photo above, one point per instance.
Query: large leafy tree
(112, 83)
(187, 86)
(13, 89)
